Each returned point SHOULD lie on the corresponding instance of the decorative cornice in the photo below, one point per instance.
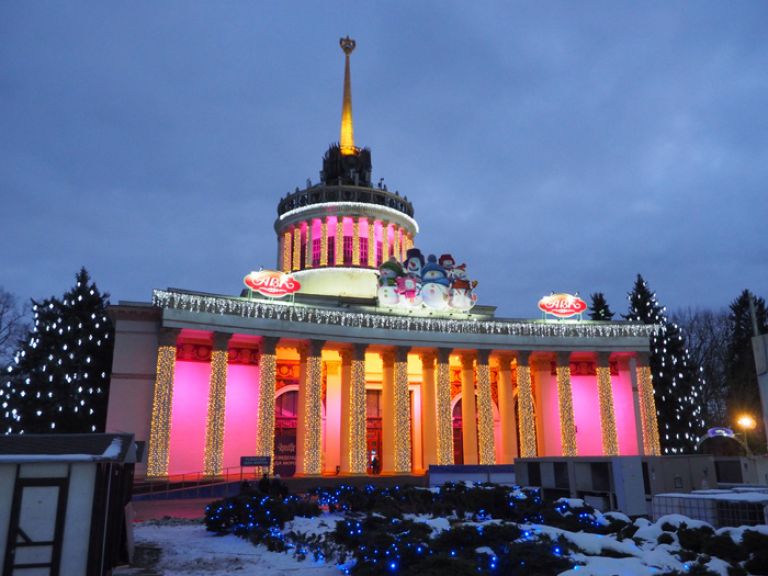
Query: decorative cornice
(346, 209)
(288, 312)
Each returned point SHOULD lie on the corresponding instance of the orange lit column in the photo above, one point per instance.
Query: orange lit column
(286, 254)
(308, 245)
(265, 435)
(297, 247)
(357, 413)
(650, 426)
(323, 242)
(565, 405)
(428, 411)
(443, 408)
(371, 244)
(468, 409)
(162, 400)
(217, 394)
(396, 243)
(607, 414)
(485, 432)
(527, 420)
(311, 417)
(339, 241)
(384, 241)
(508, 447)
(402, 413)
(355, 241)
(387, 412)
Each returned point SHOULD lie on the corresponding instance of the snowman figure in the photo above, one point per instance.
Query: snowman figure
(447, 262)
(409, 289)
(414, 261)
(434, 284)
(461, 296)
(389, 272)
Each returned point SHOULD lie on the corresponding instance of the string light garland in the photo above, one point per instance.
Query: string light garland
(444, 421)
(402, 423)
(565, 404)
(607, 414)
(297, 248)
(357, 417)
(288, 312)
(313, 412)
(527, 420)
(214, 428)
(308, 246)
(485, 410)
(265, 435)
(396, 242)
(160, 423)
(324, 242)
(651, 441)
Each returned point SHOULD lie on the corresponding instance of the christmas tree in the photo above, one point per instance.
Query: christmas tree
(743, 394)
(677, 388)
(59, 378)
(599, 309)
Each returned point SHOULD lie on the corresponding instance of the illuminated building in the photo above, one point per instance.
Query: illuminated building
(323, 380)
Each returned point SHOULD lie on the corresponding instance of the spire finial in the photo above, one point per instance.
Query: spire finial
(347, 138)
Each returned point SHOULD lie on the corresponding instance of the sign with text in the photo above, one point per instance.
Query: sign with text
(272, 283)
(562, 305)
(254, 461)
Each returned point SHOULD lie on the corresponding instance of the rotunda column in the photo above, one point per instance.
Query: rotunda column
(324, 242)
(371, 244)
(162, 400)
(355, 241)
(286, 253)
(487, 440)
(308, 246)
(354, 416)
(311, 417)
(565, 405)
(384, 241)
(508, 451)
(396, 242)
(265, 435)
(217, 394)
(297, 248)
(650, 425)
(468, 409)
(339, 241)
(428, 411)
(402, 412)
(527, 420)
(443, 408)
(607, 414)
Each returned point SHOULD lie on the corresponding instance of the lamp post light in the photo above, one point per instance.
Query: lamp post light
(746, 423)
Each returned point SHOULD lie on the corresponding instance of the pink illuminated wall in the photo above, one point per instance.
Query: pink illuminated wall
(550, 443)
(624, 409)
(586, 412)
(189, 413)
(242, 405)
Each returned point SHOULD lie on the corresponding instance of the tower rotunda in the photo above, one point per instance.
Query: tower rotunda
(334, 235)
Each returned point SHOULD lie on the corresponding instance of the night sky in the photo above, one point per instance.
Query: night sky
(550, 146)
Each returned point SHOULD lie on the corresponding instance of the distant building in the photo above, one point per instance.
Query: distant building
(379, 361)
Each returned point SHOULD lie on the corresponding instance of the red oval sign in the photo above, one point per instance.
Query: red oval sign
(272, 283)
(562, 305)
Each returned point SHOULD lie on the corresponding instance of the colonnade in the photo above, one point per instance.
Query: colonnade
(519, 403)
(320, 242)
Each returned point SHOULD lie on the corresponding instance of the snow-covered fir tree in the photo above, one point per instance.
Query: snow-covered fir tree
(59, 378)
(676, 381)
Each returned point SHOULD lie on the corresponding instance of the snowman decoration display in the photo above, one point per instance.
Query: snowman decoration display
(437, 284)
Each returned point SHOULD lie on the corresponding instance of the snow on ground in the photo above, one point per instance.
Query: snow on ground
(190, 550)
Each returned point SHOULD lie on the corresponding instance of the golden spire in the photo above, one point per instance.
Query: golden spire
(347, 138)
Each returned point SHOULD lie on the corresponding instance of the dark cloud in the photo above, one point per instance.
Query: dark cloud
(552, 147)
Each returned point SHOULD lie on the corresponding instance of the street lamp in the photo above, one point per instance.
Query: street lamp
(746, 423)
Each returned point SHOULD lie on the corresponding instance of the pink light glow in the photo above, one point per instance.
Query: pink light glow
(189, 412)
(242, 405)
(317, 228)
(624, 409)
(550, 417)
(348, 226)
(586, 411)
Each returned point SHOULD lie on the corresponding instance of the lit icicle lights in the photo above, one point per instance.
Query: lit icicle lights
(308, 246)
(287, 251)
(339, 242)
(357, 419)
(651, 443)
(297, 248)
(565, 403)
(485, 415)
(214, 428)
(160, 425)
(384, 241)
(402, 427)
(355, 242)
(607, 414)
(527, 423)
(324, 242)
(444, 421)
(265, 438)
(371, 245)
(313, 415)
